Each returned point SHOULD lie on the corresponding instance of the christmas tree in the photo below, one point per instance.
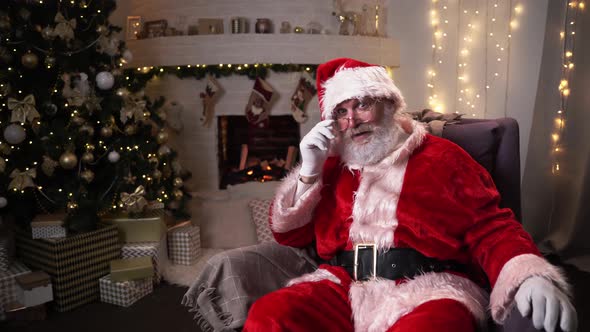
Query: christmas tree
(75, 134)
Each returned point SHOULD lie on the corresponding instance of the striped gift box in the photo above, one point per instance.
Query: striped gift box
(8, 287)
(124, 293)
(75, 263)
(156, 250)
(184, 244)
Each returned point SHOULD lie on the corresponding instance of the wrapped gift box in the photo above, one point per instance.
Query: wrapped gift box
(48, 226)
(156, 250)
(124, 293)
(75, 263)
(8, 288)
(18, 311)
(184, 244)
(142, 229)
(132, 269)
(6, 251)
(34, 288)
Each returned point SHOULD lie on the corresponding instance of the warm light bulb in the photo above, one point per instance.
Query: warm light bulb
(555, 137)
(581, 5)
(518, 9)
(568, 54)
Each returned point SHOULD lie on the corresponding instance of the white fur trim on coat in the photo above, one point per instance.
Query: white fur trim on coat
(288, 215)
(315, 276)
(513, 274)
(375, 203)
(377, 305)
(354, 83)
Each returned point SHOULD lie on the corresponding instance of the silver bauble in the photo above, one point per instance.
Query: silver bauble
(105, 80)
(114, 156)
(14, 134)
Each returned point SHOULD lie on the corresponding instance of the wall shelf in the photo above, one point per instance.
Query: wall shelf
(261, 48)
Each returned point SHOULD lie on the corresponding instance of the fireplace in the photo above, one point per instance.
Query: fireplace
(250, 153)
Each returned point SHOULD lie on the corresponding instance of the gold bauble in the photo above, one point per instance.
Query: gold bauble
(87, 175)
(68, 160)
(130, 129)
(72, 206)
(157, 174)
(77, 120)
(87, 157)
(162, 137)
(147, 114)
(178, 194)
(177, 182)
(106, 131)
(30, 60)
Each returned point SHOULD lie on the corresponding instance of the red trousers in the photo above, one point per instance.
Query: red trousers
(325, 306)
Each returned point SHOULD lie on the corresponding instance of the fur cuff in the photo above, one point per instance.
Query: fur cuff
(377, 305)
(287, 216)
(317, 275)
(513, 274)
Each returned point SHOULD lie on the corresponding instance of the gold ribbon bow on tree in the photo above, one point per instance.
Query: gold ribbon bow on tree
(23, 110)
(64, 28)
(133, 109)
(134, 202)
(22, 180)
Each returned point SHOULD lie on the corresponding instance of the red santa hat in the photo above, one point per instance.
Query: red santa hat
(342, 79)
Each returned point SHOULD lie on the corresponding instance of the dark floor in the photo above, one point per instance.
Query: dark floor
(159, 311)
(162, 311)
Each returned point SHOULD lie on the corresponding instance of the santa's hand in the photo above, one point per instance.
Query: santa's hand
(549, 305)
(314, 148)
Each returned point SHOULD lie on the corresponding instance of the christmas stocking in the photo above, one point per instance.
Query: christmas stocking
(208, 100)
(303, 93)
(257, 110)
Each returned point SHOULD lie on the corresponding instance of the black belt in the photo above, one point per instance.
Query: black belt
(393, 264)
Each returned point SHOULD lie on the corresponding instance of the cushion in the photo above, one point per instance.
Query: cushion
(224, 223)
(259, 208)
(479, 139)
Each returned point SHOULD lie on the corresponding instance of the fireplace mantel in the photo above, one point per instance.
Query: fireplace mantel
(261, 48)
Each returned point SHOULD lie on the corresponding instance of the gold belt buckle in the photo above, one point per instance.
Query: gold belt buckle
(358, 246)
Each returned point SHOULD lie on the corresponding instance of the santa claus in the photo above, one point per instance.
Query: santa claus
(407, 224)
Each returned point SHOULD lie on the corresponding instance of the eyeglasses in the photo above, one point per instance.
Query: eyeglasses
(359, 110)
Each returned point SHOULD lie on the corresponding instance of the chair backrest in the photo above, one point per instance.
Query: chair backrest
(494, 143)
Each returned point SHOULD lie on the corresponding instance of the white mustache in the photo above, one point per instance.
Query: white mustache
(363, 127)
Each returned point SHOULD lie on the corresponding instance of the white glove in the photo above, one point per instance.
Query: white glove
(548, 304)
(314, 148)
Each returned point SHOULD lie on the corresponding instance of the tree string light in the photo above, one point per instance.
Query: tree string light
(438, 34)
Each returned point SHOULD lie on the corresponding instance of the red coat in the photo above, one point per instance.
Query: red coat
(429, 195)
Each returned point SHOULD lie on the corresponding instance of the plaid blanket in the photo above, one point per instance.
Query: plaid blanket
(232, 280)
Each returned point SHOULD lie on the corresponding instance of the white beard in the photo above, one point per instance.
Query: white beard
(387, 136)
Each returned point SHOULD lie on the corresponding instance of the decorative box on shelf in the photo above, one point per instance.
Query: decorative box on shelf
(8, 287)
(156, 250)
(132, 269)
(6, 251)
(124, 293)
(184, 244)
(75, 263)
(34, 288)
(148, 228)
(48, 226)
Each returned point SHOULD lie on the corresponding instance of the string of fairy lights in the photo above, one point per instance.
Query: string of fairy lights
(472, 27)
(568, 38)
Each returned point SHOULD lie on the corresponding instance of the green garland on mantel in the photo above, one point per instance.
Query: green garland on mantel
(140, 75)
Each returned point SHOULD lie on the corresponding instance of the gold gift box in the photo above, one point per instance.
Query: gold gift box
(131, 269)
(141, 229)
